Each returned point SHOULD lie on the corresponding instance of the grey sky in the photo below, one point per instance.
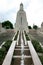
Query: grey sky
(33, 8)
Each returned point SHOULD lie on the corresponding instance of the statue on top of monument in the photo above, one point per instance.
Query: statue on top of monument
(21, 6)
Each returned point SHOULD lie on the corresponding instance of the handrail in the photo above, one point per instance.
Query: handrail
(34, 55)
(8, 58)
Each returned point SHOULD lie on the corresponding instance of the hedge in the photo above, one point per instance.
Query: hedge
(16, 35)
(27, 38)
(3, 50)
(37, 46)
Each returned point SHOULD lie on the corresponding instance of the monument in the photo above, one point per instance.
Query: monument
(42, 27)
(21, 20)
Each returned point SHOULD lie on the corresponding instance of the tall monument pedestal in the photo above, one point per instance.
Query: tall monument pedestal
(21, 21)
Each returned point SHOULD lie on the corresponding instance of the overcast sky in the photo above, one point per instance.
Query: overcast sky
(33, 9)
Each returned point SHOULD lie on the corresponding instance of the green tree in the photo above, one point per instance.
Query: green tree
(35, 27)
(7, 24)
(29, 27)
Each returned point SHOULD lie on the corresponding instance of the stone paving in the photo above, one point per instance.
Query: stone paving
(37, 37)
(6, 36)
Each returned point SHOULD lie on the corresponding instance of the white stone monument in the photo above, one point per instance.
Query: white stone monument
(21, 21)
(42, 27)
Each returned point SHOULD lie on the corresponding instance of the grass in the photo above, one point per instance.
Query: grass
(38, 49)
(7, 44)
(3, 50)
(37, 46)
(41, 59)
(16, 35)
(27, 38)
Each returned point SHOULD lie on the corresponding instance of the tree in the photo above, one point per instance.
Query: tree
(7, 24)
(29, 27)
(35, 27)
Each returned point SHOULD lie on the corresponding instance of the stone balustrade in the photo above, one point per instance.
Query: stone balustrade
(8, 58)
(34, 55)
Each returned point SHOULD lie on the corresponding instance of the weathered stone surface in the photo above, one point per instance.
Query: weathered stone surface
(34, 55)
(9, 55)
(21, 20)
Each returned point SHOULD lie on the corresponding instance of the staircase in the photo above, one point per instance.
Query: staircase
(22, 54)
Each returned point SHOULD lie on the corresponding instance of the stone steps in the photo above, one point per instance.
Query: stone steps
(20, 49)
(21, 56)
(17, 56)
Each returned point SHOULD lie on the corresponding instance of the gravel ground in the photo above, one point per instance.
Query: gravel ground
(37, 37)
(6, 36)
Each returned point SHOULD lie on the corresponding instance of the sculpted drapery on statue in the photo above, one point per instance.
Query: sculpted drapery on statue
(21, 7)
(21, 21)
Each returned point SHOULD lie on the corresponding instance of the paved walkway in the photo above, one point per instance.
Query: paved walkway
(6, 36)
(37, 37)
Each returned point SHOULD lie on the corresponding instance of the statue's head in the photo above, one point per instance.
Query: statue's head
(21, 6)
